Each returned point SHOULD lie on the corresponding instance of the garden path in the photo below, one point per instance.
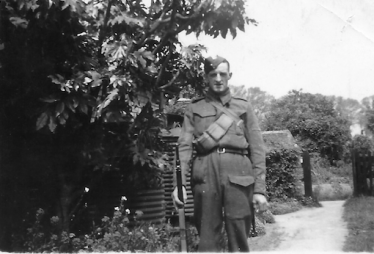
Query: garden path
(308, 230)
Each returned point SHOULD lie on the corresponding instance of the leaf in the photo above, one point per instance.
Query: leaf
(83, 107)
(224, 32)
(217, 4)
(152, 69)
(70, 3)
(59, 108)
(96, 77)
(57, 79)
(142, 61)
(52, 124)
(126, 18)
(2, 46)
(69, 104)
(62, 120)
(75, 102)
(148, 55)
(42, 121)
(50, 99)
(17, 21)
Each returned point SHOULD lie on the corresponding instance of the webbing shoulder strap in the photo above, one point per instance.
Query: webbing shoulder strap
(227, 111)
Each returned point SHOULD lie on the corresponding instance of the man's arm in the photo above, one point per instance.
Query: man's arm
(256, 149)
(257, 157)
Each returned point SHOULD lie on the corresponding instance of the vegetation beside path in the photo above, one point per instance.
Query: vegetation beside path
(358, 213)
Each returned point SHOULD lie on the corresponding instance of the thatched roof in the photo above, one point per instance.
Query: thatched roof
(279, 140)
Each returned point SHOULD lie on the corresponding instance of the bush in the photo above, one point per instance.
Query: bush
(279, 208)
(334, 191)
(280, 174)
(266, 217)
(323, 172)
(122, 233)
(362, 144)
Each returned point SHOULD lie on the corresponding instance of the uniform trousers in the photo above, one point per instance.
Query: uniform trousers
(222, 185)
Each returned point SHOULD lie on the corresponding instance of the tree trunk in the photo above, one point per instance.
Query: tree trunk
(66, 200)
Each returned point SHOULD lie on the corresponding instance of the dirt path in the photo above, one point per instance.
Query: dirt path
(310, 229)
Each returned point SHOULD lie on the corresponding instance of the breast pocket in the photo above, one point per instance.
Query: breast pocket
(203, 118)
(240, 125)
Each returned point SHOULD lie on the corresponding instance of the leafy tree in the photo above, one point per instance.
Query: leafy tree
(260, 100)
(362, 144)
(81, 81)
(368, 103)
(313, 121)
(349, 109)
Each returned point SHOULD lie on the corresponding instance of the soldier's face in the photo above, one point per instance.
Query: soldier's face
(218, 79)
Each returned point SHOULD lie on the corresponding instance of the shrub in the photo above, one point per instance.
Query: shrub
(266, 217)
(278, 208)
(334, 191)
(121, 233)
(310, 201)
(280, 174)
(362, 144)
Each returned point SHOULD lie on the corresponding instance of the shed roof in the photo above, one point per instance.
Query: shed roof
(282, 139)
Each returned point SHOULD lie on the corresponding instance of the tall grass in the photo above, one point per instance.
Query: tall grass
(359, 215)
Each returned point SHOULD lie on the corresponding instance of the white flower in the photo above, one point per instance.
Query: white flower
(123, 198)
(116, 208)
(86, 189)
(127, 211)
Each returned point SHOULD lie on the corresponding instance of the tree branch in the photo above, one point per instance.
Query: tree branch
(161, 73)
(105, 25)
(171, 82)
(161, 44)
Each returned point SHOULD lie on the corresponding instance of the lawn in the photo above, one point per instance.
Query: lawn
(359, 215)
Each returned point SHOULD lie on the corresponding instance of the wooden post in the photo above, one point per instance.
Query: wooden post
(365, 173)
(307, 175)
(371, 173)
(354, 172)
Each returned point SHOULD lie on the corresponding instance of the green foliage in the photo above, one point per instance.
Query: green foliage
(266, 217)
(122, 232)
(362, 144)
(333, 191)
(349, 109)
(284, 207)
(310, 202)
(87, 81)
(260, 100)
(313, 121)
(368, 122)
(280, 173)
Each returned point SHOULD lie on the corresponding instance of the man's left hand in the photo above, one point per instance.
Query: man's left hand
(260, 202)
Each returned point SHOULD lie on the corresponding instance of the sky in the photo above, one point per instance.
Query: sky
(319, 46)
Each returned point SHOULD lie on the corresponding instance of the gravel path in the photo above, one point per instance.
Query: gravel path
(308, 230)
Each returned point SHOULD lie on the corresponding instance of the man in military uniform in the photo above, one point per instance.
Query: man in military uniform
(228, 171)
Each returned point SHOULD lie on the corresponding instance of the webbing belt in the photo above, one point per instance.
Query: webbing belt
(225, 150)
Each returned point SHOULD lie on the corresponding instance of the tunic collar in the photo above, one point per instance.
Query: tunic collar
(223, 98)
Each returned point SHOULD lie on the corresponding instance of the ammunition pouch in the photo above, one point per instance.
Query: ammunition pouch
(209, 139)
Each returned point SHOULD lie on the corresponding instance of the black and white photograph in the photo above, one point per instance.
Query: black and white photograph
(161, 126)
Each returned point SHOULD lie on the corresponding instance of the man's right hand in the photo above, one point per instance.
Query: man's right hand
(178, 203)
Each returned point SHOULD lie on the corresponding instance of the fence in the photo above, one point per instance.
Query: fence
(170, 211)
(362, 167)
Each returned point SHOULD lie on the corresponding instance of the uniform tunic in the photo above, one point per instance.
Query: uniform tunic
(223, 180)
